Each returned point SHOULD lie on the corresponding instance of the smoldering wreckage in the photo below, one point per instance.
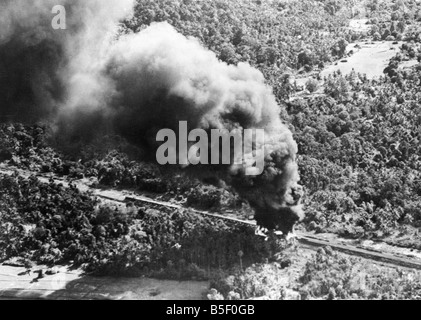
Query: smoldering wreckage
(84, 81)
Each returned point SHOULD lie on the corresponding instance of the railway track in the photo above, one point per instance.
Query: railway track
(309, 241)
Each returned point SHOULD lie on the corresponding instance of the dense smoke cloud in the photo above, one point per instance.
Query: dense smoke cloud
(43, 70)
(138, 84)
(162, 77)
(30, 55)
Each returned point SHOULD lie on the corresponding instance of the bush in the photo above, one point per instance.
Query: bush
(204, 197)
(257, 281)
(330, 275)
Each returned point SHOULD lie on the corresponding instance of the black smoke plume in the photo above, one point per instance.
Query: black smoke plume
(85, 79)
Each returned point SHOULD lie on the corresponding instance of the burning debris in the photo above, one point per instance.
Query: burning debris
(85, 80)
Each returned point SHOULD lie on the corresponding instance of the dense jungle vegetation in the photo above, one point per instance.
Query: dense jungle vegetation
(359, 156)
(359, 140)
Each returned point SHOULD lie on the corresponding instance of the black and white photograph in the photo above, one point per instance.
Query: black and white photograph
(210, 150)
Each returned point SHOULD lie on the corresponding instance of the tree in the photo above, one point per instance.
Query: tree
(338, 88)
(386, 33)
(377, 36)
(228, 54)
(285, 87)
(374, 29)
(312, 85)
(340, 48)
(401, 26)
(305, 57)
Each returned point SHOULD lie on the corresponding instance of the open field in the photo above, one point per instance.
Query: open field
(371, 59)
